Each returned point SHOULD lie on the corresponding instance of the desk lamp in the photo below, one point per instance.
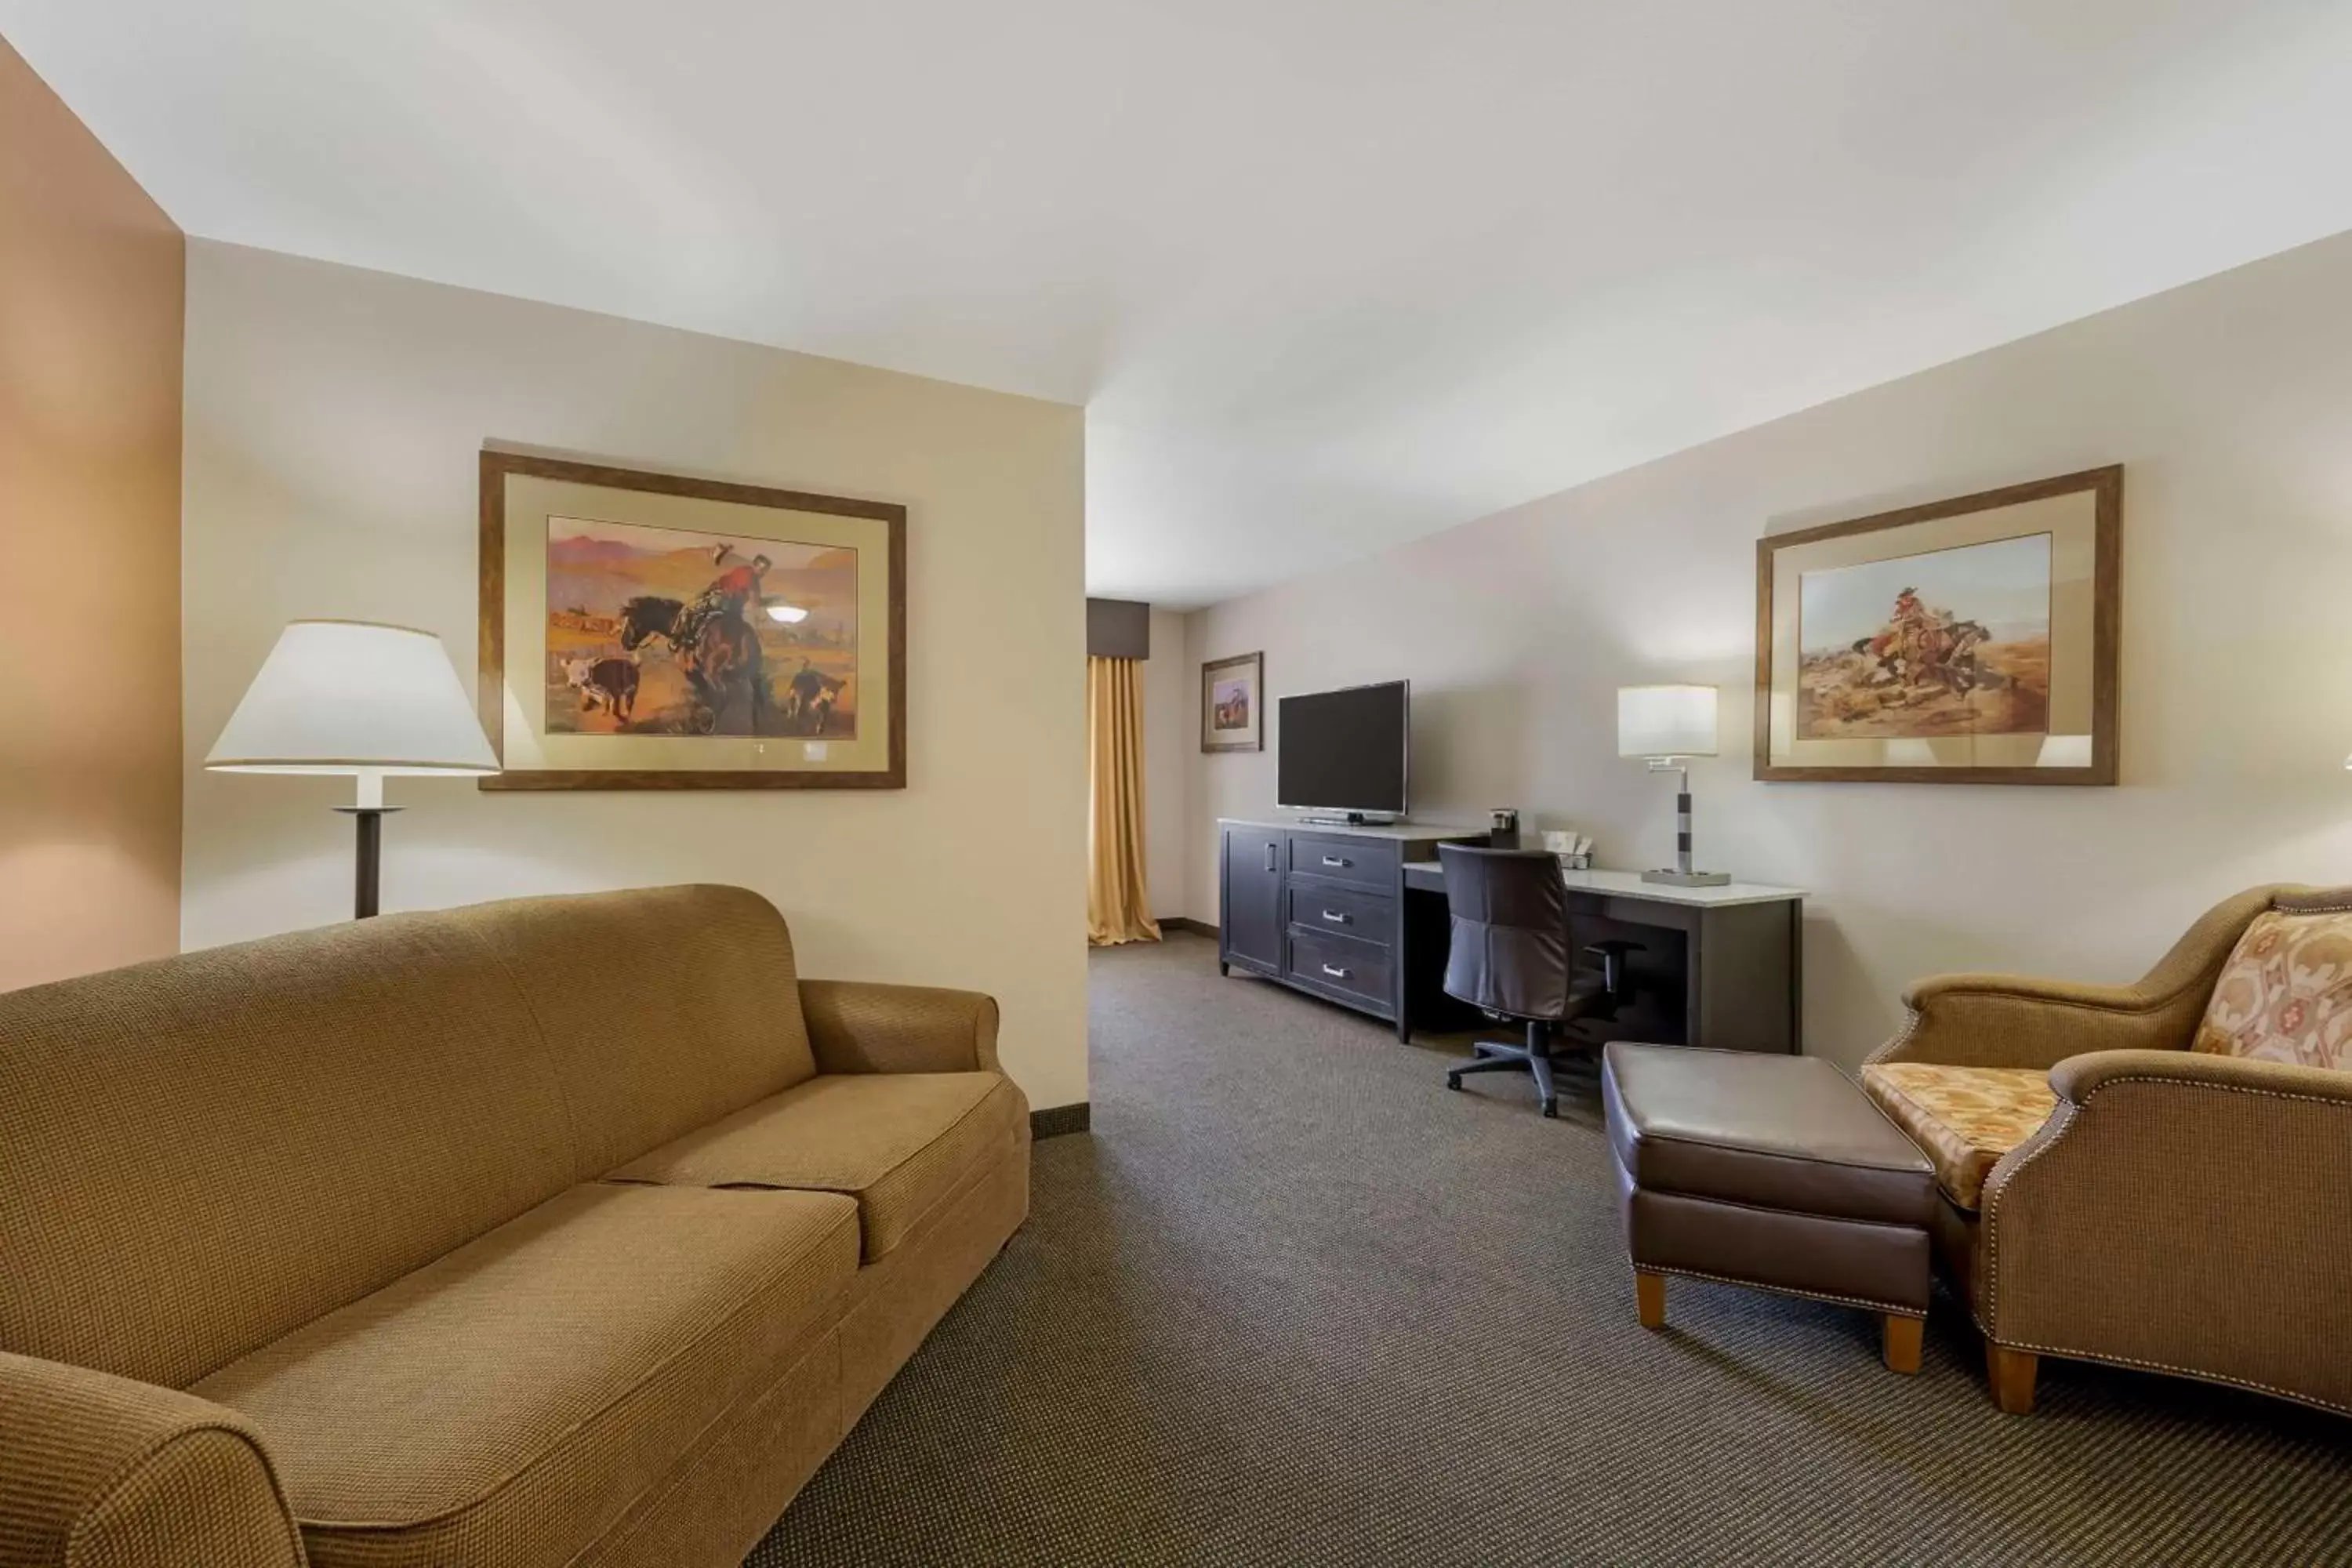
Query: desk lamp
(356, 697)
(1666, 725)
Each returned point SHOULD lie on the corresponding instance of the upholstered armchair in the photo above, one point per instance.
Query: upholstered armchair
(2150, 1174)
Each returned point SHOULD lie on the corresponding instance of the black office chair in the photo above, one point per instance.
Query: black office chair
(1510, 957)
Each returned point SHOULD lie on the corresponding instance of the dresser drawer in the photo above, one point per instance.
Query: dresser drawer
(1343, 910)
(1366, 862)
(1340, 964)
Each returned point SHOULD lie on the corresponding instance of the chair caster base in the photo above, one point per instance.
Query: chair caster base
(1552, 1108)
(1454, 1080)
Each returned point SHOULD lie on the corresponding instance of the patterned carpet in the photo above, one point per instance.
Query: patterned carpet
(1292, 1303)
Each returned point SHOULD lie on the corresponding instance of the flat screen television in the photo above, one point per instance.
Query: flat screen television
(1341, 752)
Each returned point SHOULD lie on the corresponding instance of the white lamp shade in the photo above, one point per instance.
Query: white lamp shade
(352, 697)
(1665, 720)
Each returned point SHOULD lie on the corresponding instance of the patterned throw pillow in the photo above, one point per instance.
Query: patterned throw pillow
(2286, 995)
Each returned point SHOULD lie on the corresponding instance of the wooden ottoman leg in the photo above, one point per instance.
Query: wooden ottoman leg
(1899, 1338)
(2011, 1372)
(1649, 1298)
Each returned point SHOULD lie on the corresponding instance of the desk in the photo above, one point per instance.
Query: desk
(1719, 966)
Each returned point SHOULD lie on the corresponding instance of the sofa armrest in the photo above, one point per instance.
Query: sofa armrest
(858, 1027)
(105, 1472)
(2177, 1213)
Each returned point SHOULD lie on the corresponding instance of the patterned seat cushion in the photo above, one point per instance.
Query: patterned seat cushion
(2286, 995)
(1963, 1118)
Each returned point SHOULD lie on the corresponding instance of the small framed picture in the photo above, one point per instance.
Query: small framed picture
(1967, 641)
(1232, 704)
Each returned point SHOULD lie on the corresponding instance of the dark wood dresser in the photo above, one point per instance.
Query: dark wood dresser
(1323, 910)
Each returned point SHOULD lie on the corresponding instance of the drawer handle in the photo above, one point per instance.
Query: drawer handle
(1335, 974)
(1335, 917)
(1337, 861)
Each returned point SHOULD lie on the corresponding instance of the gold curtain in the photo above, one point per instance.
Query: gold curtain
(1119, 904)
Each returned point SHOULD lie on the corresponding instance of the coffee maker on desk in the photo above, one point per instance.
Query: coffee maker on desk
(1503, 829)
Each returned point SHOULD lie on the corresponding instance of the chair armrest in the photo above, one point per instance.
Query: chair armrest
(2078, 1079)
(858, 1027)
(2177, 1213)
(105, 1472)
(2010, 1021)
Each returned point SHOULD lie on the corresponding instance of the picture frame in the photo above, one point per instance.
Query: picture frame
(1233, 703)
(644, 630)
(1974, 640)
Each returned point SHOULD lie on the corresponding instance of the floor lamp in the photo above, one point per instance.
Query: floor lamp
(358, 699)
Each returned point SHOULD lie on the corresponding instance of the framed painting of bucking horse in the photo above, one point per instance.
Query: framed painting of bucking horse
(653, 631)
(1966, 641)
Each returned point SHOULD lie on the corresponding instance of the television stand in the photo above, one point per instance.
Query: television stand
(1322, 908)
(1347, 819)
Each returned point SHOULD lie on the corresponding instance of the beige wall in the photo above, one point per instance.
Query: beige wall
(1169, 740)
(2229, 402)
(90, 549)
(333, 418)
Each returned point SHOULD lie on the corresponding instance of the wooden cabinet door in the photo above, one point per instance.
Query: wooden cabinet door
(1249, 923)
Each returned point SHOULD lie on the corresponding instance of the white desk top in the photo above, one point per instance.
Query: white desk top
(1629, 885)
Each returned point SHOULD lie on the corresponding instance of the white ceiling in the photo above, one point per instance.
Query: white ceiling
(1328, 273)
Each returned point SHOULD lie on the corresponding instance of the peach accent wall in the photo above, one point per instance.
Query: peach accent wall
(92, 294)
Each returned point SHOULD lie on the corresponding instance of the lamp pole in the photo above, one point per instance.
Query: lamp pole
(1682, 876)
(368, 879)
(368, 817)
(1681, 770)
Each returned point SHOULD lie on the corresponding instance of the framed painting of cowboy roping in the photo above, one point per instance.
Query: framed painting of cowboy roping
(1965, 641)
(653, 631)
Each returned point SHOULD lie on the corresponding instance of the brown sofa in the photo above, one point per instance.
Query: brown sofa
(571, 1231)
(2108, 1193)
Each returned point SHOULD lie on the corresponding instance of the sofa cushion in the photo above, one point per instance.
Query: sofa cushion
(898, 1142)
(1964, 1118)
(510, 1403)
(664, 1008)
(2285, 994)
(202, 1153)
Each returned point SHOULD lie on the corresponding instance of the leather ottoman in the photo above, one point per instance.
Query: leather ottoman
(1771, 1171)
